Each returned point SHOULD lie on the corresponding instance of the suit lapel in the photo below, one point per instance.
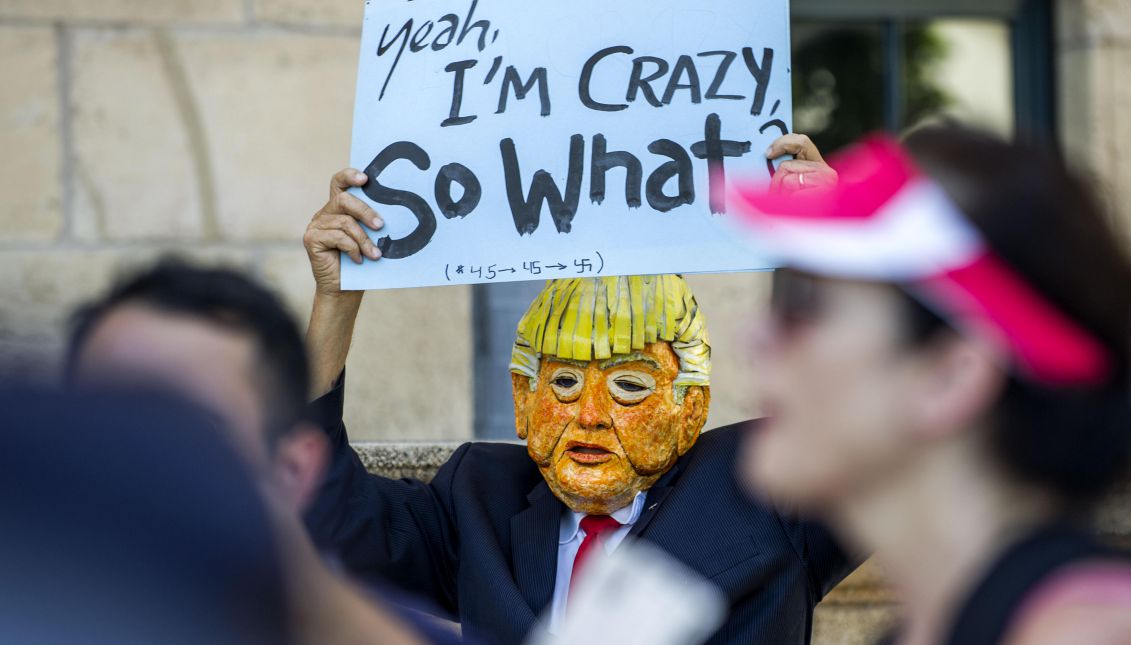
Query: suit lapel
(534, 547)
(534, 538)
(654, 501)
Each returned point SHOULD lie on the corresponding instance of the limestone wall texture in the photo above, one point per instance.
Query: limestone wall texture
(131, 128)
(210, 128)
(1093, 45)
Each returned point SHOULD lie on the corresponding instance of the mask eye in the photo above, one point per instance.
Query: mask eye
(566, 383)
(629, 387)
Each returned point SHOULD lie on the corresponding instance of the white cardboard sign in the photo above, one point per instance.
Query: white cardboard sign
(517, 140)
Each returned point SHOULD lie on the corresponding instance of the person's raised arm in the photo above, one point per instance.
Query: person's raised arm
(335, 229)
(400, 530)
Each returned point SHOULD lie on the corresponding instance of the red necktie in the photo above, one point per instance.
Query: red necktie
(595, 527)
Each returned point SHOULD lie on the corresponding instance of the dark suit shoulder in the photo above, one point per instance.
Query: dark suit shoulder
(501, 472)
(728, 436)
(497, 459)
(825, 560)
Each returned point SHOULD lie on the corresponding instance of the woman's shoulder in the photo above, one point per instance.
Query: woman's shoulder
(1086, 602)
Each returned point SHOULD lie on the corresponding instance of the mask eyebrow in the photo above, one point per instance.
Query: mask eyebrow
(635, 357)
(567, 361)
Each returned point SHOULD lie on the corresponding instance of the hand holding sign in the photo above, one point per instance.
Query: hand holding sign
(483, 130)
(336, 231)
(807, 169)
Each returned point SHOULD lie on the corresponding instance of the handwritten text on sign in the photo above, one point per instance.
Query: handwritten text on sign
(511, 140)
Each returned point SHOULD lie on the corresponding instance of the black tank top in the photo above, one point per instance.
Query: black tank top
(989, 610)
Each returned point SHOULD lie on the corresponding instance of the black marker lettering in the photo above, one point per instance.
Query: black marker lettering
(420, 36)
(587, 77)
(526, 211)
(383, 47)
(426, 219)
(680, 166)
(449, 31)
(720, 76)
(472, 190)
(483, 25)
(761, 73)
(683, 66)
(494, 69)
(512, 79)
(640, 82)
(714, 148)
(459, 67)
(600, 163)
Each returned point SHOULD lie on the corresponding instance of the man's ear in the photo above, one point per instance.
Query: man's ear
(961, 379)
(693, 415)
(298, 464)
(523, 399)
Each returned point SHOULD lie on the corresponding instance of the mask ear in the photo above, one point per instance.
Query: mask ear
(696, 403)
(523, 399)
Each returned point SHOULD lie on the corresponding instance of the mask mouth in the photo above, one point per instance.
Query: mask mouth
(588, 453)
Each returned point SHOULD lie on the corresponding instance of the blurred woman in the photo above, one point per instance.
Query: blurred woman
(945, 369)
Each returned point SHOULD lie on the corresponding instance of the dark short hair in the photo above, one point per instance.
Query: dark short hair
(229, 299)
(1047, 225)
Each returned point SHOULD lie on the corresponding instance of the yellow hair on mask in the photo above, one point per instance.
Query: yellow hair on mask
(588, 319)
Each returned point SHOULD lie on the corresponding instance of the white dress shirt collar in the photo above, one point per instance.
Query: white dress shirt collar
(627, 516)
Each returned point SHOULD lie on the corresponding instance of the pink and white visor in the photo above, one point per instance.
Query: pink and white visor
(885, 221)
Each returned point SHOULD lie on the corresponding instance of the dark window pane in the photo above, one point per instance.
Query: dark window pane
(838, 81)
(846, 75)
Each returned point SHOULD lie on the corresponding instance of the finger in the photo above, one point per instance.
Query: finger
(788, 182)
(823, 178)
(795, 165)
(336, 239)
(798, 145)
(347, 204)
(350, 227)
(777, 183)
(345, 179)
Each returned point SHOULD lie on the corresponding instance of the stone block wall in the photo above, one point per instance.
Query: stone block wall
(210, 128)
(132, 128)
(1093, 46)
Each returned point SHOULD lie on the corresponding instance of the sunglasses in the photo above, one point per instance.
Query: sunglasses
(797, 299)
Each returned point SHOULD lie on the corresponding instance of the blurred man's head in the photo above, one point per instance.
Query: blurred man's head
(111, 535)
(217, 337)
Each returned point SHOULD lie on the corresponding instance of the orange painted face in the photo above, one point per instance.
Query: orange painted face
(604, 430)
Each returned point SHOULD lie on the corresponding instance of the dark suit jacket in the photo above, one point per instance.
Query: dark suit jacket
(481, 539)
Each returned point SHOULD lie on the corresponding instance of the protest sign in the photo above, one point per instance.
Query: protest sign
(517, 140)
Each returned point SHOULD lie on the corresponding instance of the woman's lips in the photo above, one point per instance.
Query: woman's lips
(585, 453)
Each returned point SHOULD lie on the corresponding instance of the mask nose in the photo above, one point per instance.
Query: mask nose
(595, 400)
